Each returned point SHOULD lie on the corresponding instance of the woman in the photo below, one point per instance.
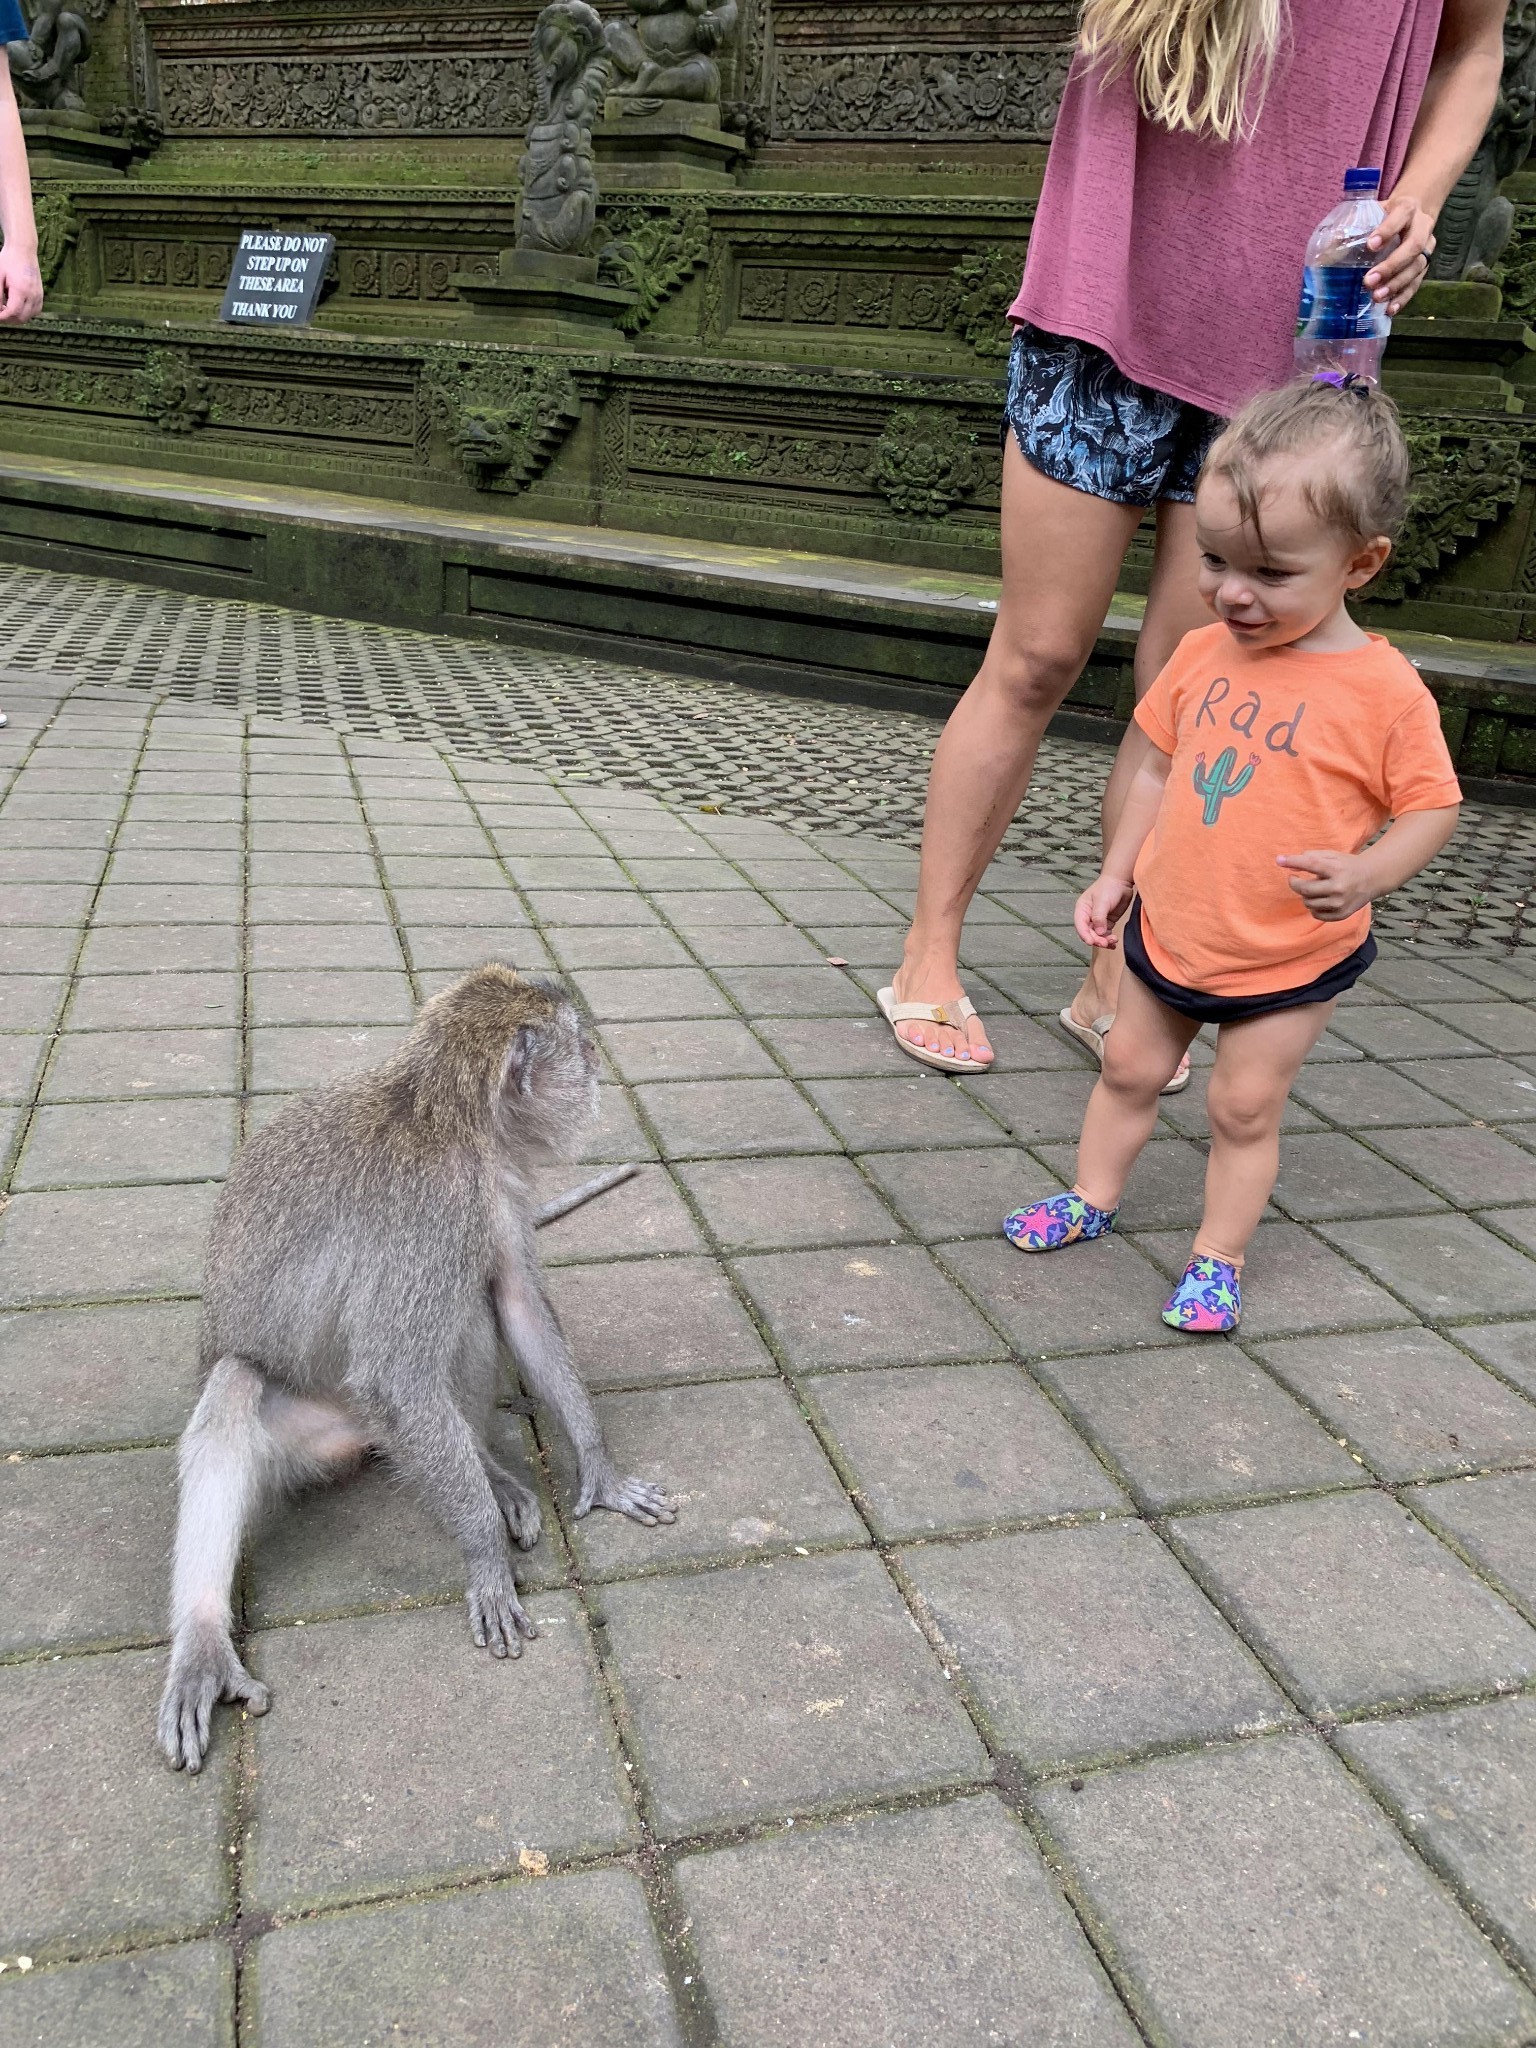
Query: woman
(21, 285)
(1198, 144)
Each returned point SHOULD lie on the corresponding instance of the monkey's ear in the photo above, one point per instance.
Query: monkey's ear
(517, 1068)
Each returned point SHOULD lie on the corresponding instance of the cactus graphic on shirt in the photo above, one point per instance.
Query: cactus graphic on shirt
(1217, 782)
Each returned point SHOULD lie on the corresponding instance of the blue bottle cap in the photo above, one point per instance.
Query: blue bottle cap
(1362, 180)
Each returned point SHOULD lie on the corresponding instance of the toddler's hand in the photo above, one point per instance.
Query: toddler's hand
(1099, 908)
(1332, 885)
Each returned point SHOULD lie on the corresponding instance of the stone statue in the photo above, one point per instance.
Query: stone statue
(1477, 220)
(667, 49)
(47, 65)
(570, 76)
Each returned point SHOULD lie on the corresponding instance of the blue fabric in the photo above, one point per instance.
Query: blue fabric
(13, 23)
(1079, 422)
(1208, 1009)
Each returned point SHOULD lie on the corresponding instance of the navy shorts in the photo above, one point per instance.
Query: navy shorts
(1079, 422)
(1208, 1009)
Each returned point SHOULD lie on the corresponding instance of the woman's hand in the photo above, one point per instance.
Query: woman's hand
(1398, 276)
(1100, 908)
(21, 287)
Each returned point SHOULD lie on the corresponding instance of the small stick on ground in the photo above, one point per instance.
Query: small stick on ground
(562, 1205)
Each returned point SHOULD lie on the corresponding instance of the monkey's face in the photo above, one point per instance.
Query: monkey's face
(550, 1087)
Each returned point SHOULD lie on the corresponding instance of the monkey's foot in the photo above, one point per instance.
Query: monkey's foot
(200, 1674)
(519, 1509)
(497, 1620)
(637, 1498)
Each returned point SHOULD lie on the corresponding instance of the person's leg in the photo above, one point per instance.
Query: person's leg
(1174, 608)
(1256, 1062)
(1062, 551)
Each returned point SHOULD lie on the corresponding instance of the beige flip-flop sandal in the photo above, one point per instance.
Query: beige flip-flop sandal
(953, 1015)
(1092, 1037)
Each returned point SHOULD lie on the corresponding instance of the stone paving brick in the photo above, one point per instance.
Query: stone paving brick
(128, 1853)
(924, 1926)
(695, 868)
(1166, 1190)
(102, 1065)
(104, 1143)
(987, 945)
(51, 864)
(617, 1136)
(89, 1377)
(331, 998)
(1292, 1284)
(83, 1545)
(1510, 1348)
(650, 1320)
(1036, 1108)
(1462, 1785)
(616, 945)
(455, 949)
(740, 1462)
(754, 945)
(1325, 1174)
(1497, 1090)
(1085, 1645)
(732, 1119)
(1190, 1428)
(637, 994)
(590, 906)
(644, 1215)
(1101, 1296)
(45, 903)
(101, 1244)
(122, 903)
(37, 950)
(294, 1056)
(1414, 1405)
(480, 909)
(821, 1047)
(957, 1447)
(1468, 1164)
(181, 1997)
(1356, 1604)
(777, 1687)
(706, 1049)
(1257, 1894)
(1492, 1520)
(21, 1058)
(148, 1002)
(171, 948)
(1501, 1027)
(588, 1970)
(280, 904)
(301, 948)
(1446, 1267)
(964, 1193)
(368, 1543)
(407, 872)
(1519, 1225)
(30, 1002)
(782, 1204)
(1388, 1032)
(1363, 1095)
(350, 1801)
(883, 1305)
(894, 1114)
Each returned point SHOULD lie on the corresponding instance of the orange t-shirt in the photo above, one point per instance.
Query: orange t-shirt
(1274, 751)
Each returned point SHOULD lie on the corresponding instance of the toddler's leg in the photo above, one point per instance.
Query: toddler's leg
(1141, 1055)
(1256, 1062)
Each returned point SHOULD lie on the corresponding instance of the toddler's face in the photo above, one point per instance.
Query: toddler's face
(1275, 591)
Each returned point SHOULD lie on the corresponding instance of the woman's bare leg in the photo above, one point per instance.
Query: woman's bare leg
(1062, 551)
(1174, 608)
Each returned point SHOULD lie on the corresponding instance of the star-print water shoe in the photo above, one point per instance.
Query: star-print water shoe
(1060, 1219)
(1207, 1298)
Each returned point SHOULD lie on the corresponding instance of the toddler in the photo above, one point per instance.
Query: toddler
(1278, 742)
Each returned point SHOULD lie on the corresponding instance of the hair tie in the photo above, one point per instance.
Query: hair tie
(1345, 380)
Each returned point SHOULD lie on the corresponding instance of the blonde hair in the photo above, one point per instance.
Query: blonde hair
(1360, 495)
(1198, 65)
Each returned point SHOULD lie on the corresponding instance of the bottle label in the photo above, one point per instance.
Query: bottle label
(1335, 305)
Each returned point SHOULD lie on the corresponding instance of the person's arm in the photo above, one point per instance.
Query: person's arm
(1459, 95)
(21, 285)
(1105, 901)
(1335, 885)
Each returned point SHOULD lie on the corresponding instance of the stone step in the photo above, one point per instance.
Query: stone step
(780, 619)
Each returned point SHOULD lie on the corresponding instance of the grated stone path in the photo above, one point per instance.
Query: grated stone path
(1017, 1669)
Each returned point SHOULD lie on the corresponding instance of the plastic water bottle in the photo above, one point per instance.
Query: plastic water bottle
(1339, 325)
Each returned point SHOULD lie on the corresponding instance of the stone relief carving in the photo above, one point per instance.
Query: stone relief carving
(435, 93)
(58, 228)
(651, 254)
(173, 392)
(982, 288)
(948, 95)
(46, 66)
(569, 68)
(1463, 481)
(925, 462)
(671, 49)
(503, 418)
(1477, 220)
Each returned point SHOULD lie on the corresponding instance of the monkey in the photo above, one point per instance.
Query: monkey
(370, 1251)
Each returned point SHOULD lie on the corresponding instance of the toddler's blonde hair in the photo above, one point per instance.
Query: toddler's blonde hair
(1198, 65)
(1364, 492)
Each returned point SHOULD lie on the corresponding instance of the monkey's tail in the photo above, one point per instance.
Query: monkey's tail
(562, 1205)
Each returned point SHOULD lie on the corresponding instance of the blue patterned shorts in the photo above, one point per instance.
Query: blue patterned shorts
(1079, 422)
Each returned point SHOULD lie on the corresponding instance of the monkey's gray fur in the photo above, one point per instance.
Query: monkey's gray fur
(371, 1248)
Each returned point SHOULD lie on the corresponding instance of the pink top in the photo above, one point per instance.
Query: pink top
(1181, 257)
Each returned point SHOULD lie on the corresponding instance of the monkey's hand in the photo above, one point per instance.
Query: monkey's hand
(601, 1487)
(496, 1617)
(202, 1670)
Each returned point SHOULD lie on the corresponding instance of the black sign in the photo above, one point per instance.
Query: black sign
(276, 279)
